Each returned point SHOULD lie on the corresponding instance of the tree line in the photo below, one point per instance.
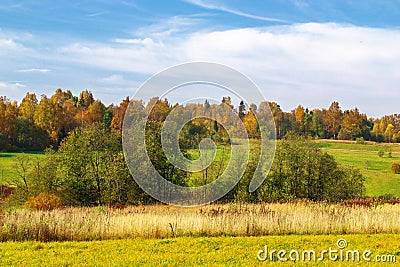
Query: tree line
(33, 124)
(89, 169)
(85, 165)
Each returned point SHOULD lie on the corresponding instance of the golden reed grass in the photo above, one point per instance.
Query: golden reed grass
(161, 221)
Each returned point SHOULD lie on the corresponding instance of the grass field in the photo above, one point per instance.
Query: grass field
(215, 169)
(212, 235)
(376, 170)
(352, 145)
(200, 251)
(379, 179)
(9, 163)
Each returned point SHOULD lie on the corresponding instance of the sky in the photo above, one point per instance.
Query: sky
(296, 51)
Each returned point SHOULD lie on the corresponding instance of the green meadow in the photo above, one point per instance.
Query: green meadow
(10, 164)
(376, 170)
(379, 180)
(166, 236)
(200, 251)
(351, 145)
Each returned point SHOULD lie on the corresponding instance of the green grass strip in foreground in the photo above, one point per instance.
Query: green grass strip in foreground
(218, 251)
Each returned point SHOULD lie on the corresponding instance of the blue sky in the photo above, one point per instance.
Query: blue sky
(296, 51)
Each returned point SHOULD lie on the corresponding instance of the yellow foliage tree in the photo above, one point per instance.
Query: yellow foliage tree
(251, 124)
(389, 132)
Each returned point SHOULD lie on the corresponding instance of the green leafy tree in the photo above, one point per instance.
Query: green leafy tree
(301, 170)
(86, 155)
(317, 124)
(242, 109)
(108, 115)
(158, 158)
(30, 137)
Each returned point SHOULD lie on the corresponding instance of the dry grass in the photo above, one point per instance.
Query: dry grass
(213, 220)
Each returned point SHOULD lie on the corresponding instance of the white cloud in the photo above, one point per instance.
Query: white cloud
(145, 41)
(300, 3)
(34, 70)
(11, 37)
(175, 25)
(12, 90)
(306, 48)
(13, 44)
(142, 58)
(11, 86)
(312, 64)
(96, 14)
(223, 8)
(8, 43)
(113, 79)
(19, 85)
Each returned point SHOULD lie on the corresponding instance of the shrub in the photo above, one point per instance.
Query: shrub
(381, 153)
(371, 201)
(360, 140)
(395, 168)
(367, 164)
(44, 201)
(301, 170)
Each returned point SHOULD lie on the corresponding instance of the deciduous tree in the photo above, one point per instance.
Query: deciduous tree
(333, 119)
(28, 106)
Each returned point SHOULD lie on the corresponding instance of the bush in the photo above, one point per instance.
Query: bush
(302, 171)
(395, 168)
(360, 140)
(381, 153)
(371, 201)
(44, 201)
(367, 164)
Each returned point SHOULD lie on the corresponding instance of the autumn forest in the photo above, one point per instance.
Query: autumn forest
(34, 124)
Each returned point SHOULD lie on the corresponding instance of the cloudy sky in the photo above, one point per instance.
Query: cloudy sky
(296, 51)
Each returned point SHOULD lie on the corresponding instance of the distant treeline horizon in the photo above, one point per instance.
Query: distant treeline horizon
(34, 124)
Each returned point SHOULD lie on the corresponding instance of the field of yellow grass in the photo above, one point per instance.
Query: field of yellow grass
(161, 221)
